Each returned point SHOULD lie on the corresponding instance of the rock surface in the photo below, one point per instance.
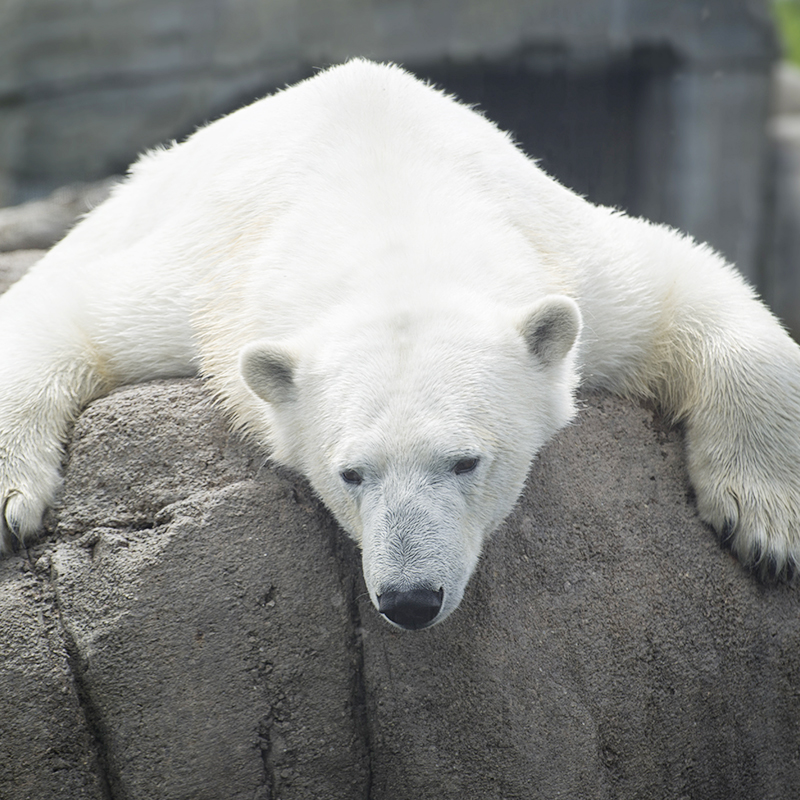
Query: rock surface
(195, 626)
(14, 265)
(39, 224)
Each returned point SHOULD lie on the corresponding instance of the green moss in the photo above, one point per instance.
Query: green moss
(787, 17)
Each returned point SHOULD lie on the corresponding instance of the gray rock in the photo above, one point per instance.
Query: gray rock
(39, 224)
(14, 265)
(219, 692)
(222, 643)
(46, 748)
(608, 648)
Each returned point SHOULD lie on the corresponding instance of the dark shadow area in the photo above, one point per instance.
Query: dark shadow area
(582, 124)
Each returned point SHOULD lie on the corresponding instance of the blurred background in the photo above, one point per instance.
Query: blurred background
(683, 111)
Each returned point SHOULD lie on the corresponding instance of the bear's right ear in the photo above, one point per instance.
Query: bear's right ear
(268, 370)
(550, 328)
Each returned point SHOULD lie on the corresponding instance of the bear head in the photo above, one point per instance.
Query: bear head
(417, 427)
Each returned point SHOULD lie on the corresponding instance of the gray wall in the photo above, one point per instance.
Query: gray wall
(658, 106)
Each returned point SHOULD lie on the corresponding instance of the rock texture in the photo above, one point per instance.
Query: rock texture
(39, 224)
(14, 265)
(195, 626)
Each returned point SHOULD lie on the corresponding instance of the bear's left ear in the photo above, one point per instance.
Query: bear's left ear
(550, 328)
(268, 369)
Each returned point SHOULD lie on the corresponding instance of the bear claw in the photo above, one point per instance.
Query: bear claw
(10, 521)
(726, 531)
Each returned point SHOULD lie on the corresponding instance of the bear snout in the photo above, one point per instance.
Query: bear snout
(412, 609)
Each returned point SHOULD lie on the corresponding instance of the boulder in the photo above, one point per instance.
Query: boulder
(39, 224)
(46, 747)
(14, 265)
(194, 625)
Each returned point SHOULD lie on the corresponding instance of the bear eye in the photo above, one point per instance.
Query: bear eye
(465, 466)
(351, 476)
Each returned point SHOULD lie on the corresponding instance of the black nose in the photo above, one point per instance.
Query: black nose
(413, 609)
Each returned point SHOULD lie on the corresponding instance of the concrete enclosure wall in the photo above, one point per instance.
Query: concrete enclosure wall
(658, 107)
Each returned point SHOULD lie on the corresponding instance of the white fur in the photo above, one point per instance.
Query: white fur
(395, 275)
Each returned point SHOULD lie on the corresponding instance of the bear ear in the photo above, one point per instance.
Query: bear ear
(550, 328)
(268, 370)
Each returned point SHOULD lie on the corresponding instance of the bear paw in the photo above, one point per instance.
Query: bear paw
(757, 517)
(25, 496)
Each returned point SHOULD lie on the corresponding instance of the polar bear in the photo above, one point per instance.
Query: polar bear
(392, 298)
